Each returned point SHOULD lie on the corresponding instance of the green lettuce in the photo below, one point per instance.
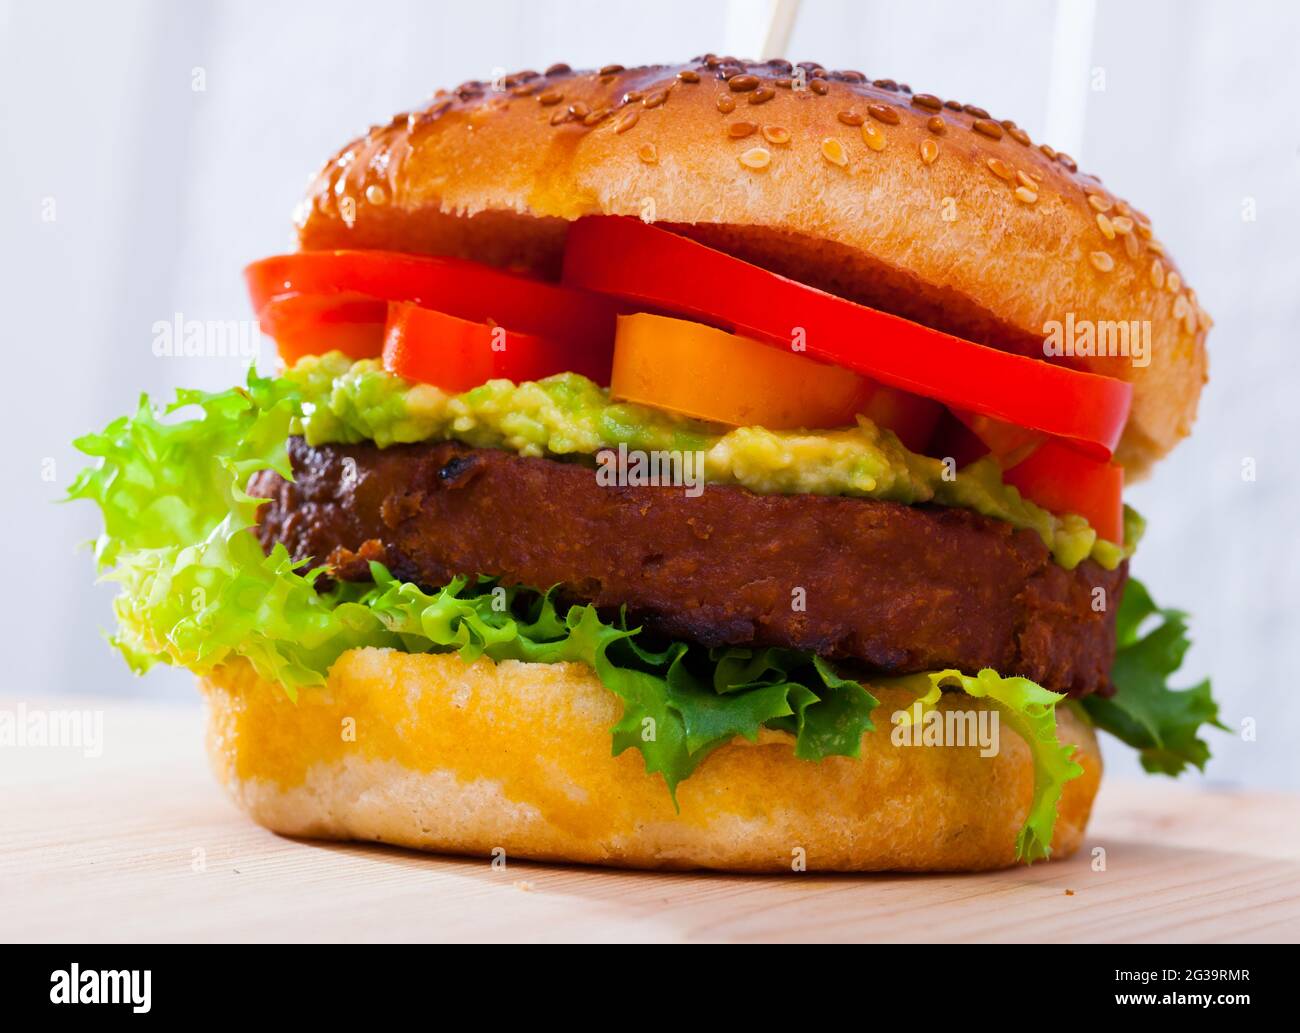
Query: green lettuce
(1160, 722)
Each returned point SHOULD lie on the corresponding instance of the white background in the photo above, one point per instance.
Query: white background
(162, 193)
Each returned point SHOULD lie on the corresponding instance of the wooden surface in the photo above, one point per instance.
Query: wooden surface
(140, 844)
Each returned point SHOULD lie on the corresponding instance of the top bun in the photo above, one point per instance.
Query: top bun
(927, 208)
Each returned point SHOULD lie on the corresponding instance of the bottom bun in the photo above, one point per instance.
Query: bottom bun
(427, 751)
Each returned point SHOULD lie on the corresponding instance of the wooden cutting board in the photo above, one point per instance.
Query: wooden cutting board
(140, 844)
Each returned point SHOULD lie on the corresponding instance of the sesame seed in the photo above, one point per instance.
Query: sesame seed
(1104, 224)
(927, 100)
(1001, 169)
(1067, 161)
(726, 104)
(1131, 246)
(883, 113)
(936, 125)
(1157, 274)
(597, 116)
(548, 97)
(742, 83)
(562, 115)
(1101, 261)
(628, 120)
(653, 100)
(952, 105)
(1050, 152)
(873, 136)
(375, 194)
(777, 135)
(762, 95)
(819, 87)
(1189, 319)
(850, 118)
(648, 154)
(971, 109)
(1122, 223)
(559, 68)
(988, 128)
(1144, 230)
(1180, 307)
(610, 69)
(579, 109)
(739, 130)
(833, 151)
(688, 76)
(1172, 282)
(1018, 134)
(1155, 247)
(929, 151)
(1100, 202)
(756, 158)
(632, 96)
(1026, 195)
(1025, 181)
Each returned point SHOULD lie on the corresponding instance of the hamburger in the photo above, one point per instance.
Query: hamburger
(710, 465)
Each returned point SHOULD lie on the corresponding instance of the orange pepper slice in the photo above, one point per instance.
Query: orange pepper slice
(709, 374)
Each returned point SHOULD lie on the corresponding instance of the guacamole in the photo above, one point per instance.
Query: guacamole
(567, 414)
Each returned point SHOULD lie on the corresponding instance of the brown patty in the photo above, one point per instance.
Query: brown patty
(897, 588)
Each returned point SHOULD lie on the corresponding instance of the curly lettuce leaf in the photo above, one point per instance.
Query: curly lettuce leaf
(1030, 711)
(1162, 723)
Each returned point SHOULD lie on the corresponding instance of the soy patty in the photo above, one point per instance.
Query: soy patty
(894, 588)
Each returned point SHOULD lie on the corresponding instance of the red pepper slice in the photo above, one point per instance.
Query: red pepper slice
(1061, 480)
(1007, 442)
(312, 324)
(457, 354)
(470, 290)
(667, 272)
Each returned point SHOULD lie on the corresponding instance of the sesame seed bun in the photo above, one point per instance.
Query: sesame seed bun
(430, 752)
(933, 210)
